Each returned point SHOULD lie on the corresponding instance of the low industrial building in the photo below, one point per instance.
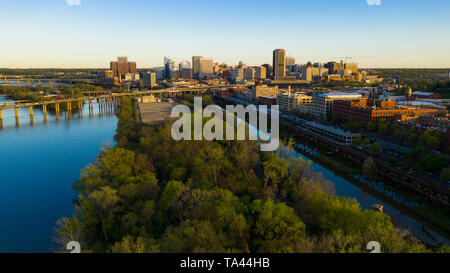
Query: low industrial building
(262, 90)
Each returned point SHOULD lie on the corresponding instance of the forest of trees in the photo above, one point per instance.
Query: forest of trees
(151, 194)
(39, 92)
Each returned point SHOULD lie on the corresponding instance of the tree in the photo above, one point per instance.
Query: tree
(371, 127)
(67, 230)
(104, 203)
(357, 140)
(432, 162)
(277, 227)
(275, 169)
(192, 236)
(366, 143)
(117, 162)
(383, 127)
(369, 168)
(376, 148)
(246, 156)
(210, 161)
(445, 175)
(131, 245)
(429, 140)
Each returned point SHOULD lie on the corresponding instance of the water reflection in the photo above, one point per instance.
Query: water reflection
(38, 164)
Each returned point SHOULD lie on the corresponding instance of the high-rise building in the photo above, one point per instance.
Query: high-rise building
(149, 80)
(290, 61)
(159, 71)
(195, 66)
(186, 73)
(122, 59)
(205, 67)
(249, 73)
(170, 68)
(237, 75)
(184, 65)
(122, 67)
(279, 64)
(260, 72)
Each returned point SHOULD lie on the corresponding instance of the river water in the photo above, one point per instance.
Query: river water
(39, 163)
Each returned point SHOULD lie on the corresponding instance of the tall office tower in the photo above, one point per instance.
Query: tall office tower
(122, 59)
(290, 61)
(132, 67)
(195, 66)
(249, 73)
(333, 67)
(279, 64)
(236, 74)
(159, 71)
(170, 66)
(149, 80)
(260, 72)
(205, 67)
(184, 65)
(123, 67)
(186, 73)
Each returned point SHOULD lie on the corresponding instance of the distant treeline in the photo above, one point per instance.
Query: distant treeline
(409, 71)
(44, 71)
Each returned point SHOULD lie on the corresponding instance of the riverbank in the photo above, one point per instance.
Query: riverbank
(39, 163)
(392, 198)
(406, 201)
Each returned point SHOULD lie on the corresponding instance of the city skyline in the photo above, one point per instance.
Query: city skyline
(52, 33)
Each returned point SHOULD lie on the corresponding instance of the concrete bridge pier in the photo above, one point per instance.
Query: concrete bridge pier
(99, 101)
(69, 106)
(80, 108)
(91, 108)
(57, 111)
(44, 112)
(16, 114)
(31, 115)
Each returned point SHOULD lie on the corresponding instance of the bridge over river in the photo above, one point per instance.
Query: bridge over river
(104, 101)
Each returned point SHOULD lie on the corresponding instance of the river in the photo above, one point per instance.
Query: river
(39, 163)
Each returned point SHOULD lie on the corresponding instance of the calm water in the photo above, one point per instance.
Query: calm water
(346, 189)
(38, 165)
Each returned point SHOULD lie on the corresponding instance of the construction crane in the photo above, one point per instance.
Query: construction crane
(346, 58)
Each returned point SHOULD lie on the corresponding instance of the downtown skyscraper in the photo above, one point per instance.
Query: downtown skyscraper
(279, 64)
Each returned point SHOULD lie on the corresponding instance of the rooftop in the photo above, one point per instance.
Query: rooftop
(419, 93)
(339, 95)
(329, 128)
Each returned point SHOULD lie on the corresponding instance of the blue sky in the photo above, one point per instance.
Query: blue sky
(51, 33)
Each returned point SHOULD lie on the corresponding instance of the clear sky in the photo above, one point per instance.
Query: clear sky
(52, 33)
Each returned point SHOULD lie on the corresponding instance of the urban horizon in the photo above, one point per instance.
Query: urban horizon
(80, 34)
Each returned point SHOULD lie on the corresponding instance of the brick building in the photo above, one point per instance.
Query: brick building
(359, 111)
